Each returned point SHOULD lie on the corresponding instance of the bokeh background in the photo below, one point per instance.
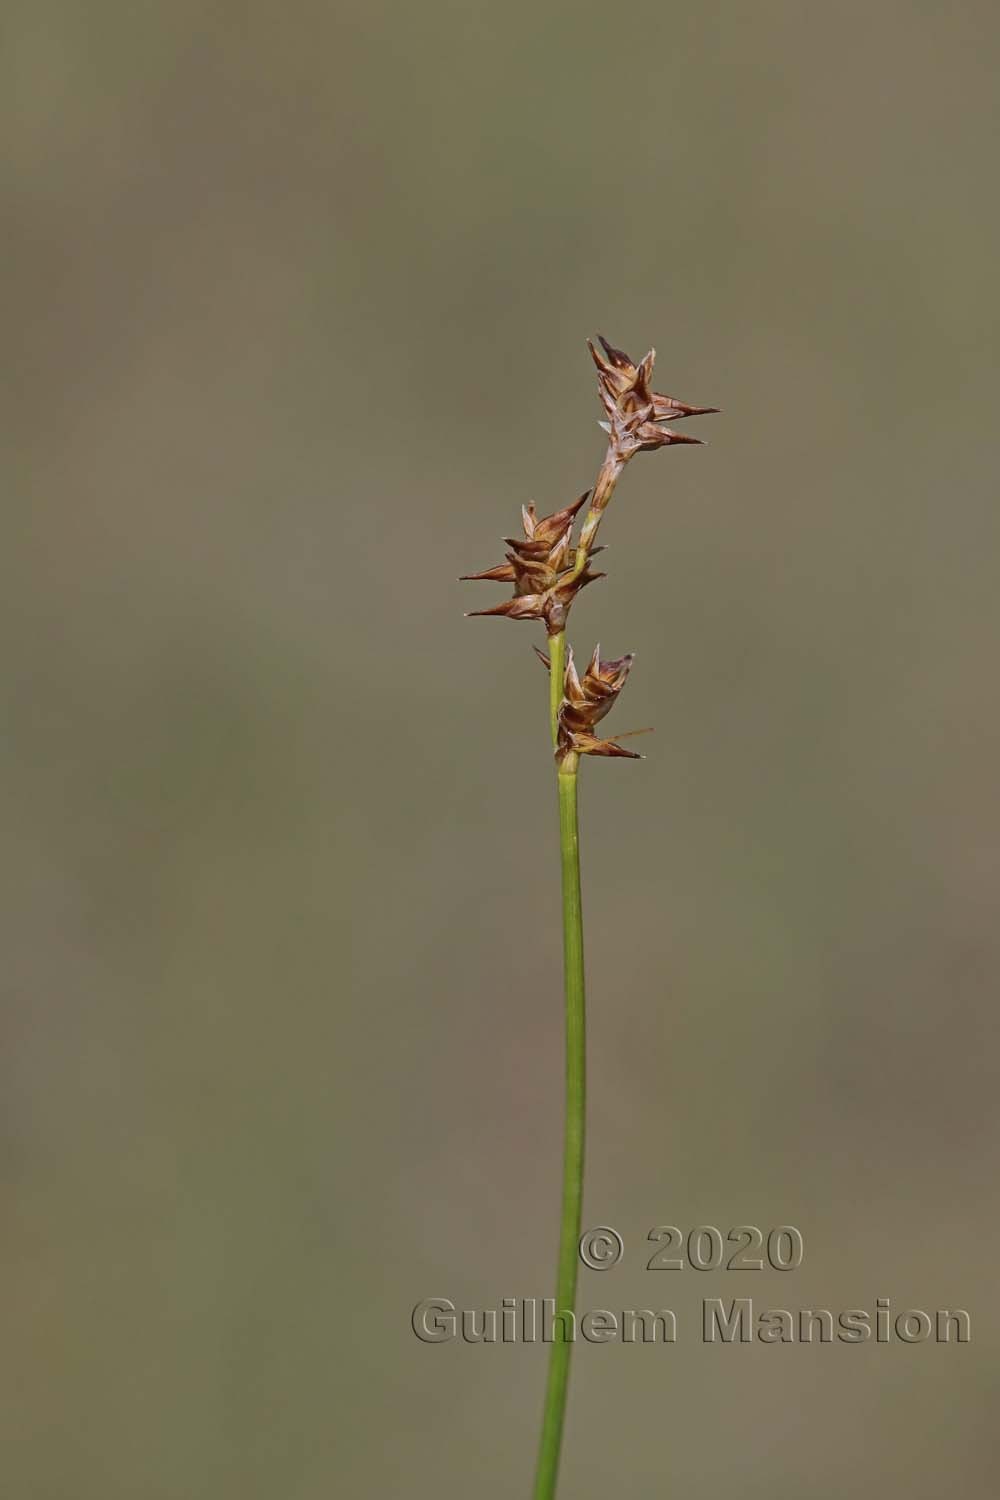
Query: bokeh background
(297, 299)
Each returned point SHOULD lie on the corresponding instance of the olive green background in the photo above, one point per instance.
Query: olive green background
(297, 299)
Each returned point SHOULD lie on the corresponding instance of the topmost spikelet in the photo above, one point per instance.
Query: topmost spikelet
(628, 382)
(635, 411)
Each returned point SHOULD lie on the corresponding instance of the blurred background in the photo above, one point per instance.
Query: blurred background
(297, 300)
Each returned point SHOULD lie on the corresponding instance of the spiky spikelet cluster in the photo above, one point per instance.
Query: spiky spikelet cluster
(635, 411)
(585, 702)
(548, 571)
(541, 566)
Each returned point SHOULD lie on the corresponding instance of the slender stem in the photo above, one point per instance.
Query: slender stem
(553, 1415)
(572, 1188)
(557, 664)
(604, 488)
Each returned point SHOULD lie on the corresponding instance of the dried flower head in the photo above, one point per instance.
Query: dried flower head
(635, 411)
(629, 384)
(585, 702)
(541, 566)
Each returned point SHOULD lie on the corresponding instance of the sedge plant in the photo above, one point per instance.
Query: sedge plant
(548, 569)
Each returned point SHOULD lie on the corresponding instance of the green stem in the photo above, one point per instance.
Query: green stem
(557, 665)
(572, 1189)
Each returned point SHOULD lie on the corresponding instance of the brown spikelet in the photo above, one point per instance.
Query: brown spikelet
(635, 412)
(541, 565)
(585, 702)
(629, 383)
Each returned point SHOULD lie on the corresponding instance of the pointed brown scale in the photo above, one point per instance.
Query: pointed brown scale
(616, 356)
(550, 528)
(620, 376)
(651, 437)
(666, 408)
(526, 546)
(572, 688)
(589, 744)
(612, 673)
(526, 607)
(502, 573)
(642, 391)
(562, 550)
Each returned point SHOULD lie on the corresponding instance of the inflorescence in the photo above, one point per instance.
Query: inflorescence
(547, 569)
